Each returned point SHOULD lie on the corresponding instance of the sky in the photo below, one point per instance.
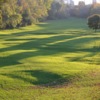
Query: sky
(86, 1)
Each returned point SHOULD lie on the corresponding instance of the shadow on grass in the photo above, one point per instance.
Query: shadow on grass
(42, 78)
(69, 42)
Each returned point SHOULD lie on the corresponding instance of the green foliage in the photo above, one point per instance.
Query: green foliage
(58, 10)
(31, 11)
(14, 21)
(95, 9)
(81, 10)
(10, 16)
(3, 1)
(34, 10)
(94, 22)
(27, 17)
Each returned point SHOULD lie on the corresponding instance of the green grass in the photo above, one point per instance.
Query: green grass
(55, 60)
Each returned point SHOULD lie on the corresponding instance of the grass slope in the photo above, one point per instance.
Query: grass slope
(55, 60)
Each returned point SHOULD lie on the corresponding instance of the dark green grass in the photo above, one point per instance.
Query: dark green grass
(55, 60)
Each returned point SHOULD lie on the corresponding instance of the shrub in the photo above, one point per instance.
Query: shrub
(94, 22)
(14, 21)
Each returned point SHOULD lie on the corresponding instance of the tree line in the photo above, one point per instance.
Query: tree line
(17, 13)
(59, 9)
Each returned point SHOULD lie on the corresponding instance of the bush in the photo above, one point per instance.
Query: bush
(14, 21)
(28, 19)
(94, 22)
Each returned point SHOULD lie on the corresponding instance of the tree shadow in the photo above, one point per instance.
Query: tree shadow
(49, 28)
(42, 78)
(56, 43)
(86, 58)
(44, 48)
(34, 42)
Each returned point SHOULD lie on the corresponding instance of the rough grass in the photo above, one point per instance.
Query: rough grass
(55, 60)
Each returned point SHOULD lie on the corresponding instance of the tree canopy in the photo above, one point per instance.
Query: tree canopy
(17, 13)
(94, 22)
(22, 12)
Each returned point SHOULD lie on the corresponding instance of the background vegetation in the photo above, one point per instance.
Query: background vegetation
(17, 13)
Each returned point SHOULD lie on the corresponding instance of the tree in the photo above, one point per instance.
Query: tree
(27, 17)
(94, 22)
(15, 13)
(95, 9)
(34, 10)
(10, 14)
(81, 10)
(2, 1)
(14, 21)
(58, 10)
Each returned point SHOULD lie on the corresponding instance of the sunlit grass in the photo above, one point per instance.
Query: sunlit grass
(54, 60)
